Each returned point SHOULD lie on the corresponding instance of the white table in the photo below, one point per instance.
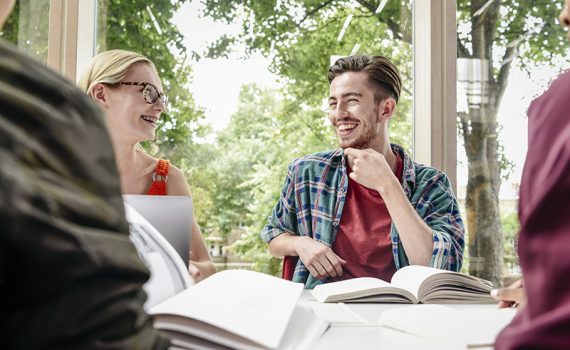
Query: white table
(355, 326)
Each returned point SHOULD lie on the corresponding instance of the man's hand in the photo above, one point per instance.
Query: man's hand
(511, 296)
(370, 169)
(319, 259)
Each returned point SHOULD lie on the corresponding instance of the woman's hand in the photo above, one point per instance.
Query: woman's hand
(194, 272)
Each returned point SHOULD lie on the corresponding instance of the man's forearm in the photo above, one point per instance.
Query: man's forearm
(415, 234)
(319, 258)
(284, 245)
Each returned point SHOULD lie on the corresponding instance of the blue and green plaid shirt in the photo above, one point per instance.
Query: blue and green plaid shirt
(313, 196)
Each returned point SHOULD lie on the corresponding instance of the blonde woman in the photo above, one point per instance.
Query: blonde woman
(127, 88)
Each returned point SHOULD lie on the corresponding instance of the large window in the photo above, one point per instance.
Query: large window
(463, 107)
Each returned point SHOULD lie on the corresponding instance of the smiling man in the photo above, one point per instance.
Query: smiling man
(365, 209)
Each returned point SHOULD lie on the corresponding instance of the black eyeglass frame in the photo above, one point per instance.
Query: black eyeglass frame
(159, 95)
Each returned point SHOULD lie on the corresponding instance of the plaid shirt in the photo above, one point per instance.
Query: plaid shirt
(313, 197)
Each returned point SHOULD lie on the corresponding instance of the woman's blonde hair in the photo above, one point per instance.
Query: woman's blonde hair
(110, 67)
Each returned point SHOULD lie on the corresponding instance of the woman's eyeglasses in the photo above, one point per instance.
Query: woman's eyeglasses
(150, 92)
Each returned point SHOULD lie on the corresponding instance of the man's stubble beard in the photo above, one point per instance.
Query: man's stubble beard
(365, 140)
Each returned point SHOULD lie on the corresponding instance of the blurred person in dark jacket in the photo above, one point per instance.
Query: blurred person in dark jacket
(70, 278)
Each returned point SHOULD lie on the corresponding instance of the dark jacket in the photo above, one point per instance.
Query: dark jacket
(69, 276)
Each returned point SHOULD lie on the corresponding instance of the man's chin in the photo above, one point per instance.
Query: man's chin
(355, 145)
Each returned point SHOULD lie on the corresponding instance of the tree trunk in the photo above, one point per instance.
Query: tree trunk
(485, 241)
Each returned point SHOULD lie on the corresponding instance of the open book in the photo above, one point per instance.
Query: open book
(239, 309)
(462, 327)
(410, 284)
(232, 309)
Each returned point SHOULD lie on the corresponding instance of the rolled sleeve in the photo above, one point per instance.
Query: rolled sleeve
(284, 217)
(447, 225)
(446, 254)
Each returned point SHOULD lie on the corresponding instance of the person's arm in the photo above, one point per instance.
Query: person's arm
(200, 265)
(442, 237)
(415, 235)
(371, 170)
(438, 208)
(282, 235)
(319, 259)
(437, 244)
(511, 296)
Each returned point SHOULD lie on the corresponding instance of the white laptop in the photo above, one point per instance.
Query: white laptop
(170, 215)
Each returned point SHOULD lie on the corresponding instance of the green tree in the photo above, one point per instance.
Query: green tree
(301, 35)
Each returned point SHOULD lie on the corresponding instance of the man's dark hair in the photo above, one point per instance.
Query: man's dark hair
(382, 74)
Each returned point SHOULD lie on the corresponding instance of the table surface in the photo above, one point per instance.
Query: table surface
(355, 326)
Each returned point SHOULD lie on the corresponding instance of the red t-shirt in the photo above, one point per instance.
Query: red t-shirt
(363, 239)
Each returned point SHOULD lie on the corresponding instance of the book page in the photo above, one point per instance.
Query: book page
(471, 326)
(354, 288)
(450, 287)
(247, 303)
(411, 277)
(431, 285)
(168, 273)
(303, 331)
(337, 313)
(182, 341)
(160, 285)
